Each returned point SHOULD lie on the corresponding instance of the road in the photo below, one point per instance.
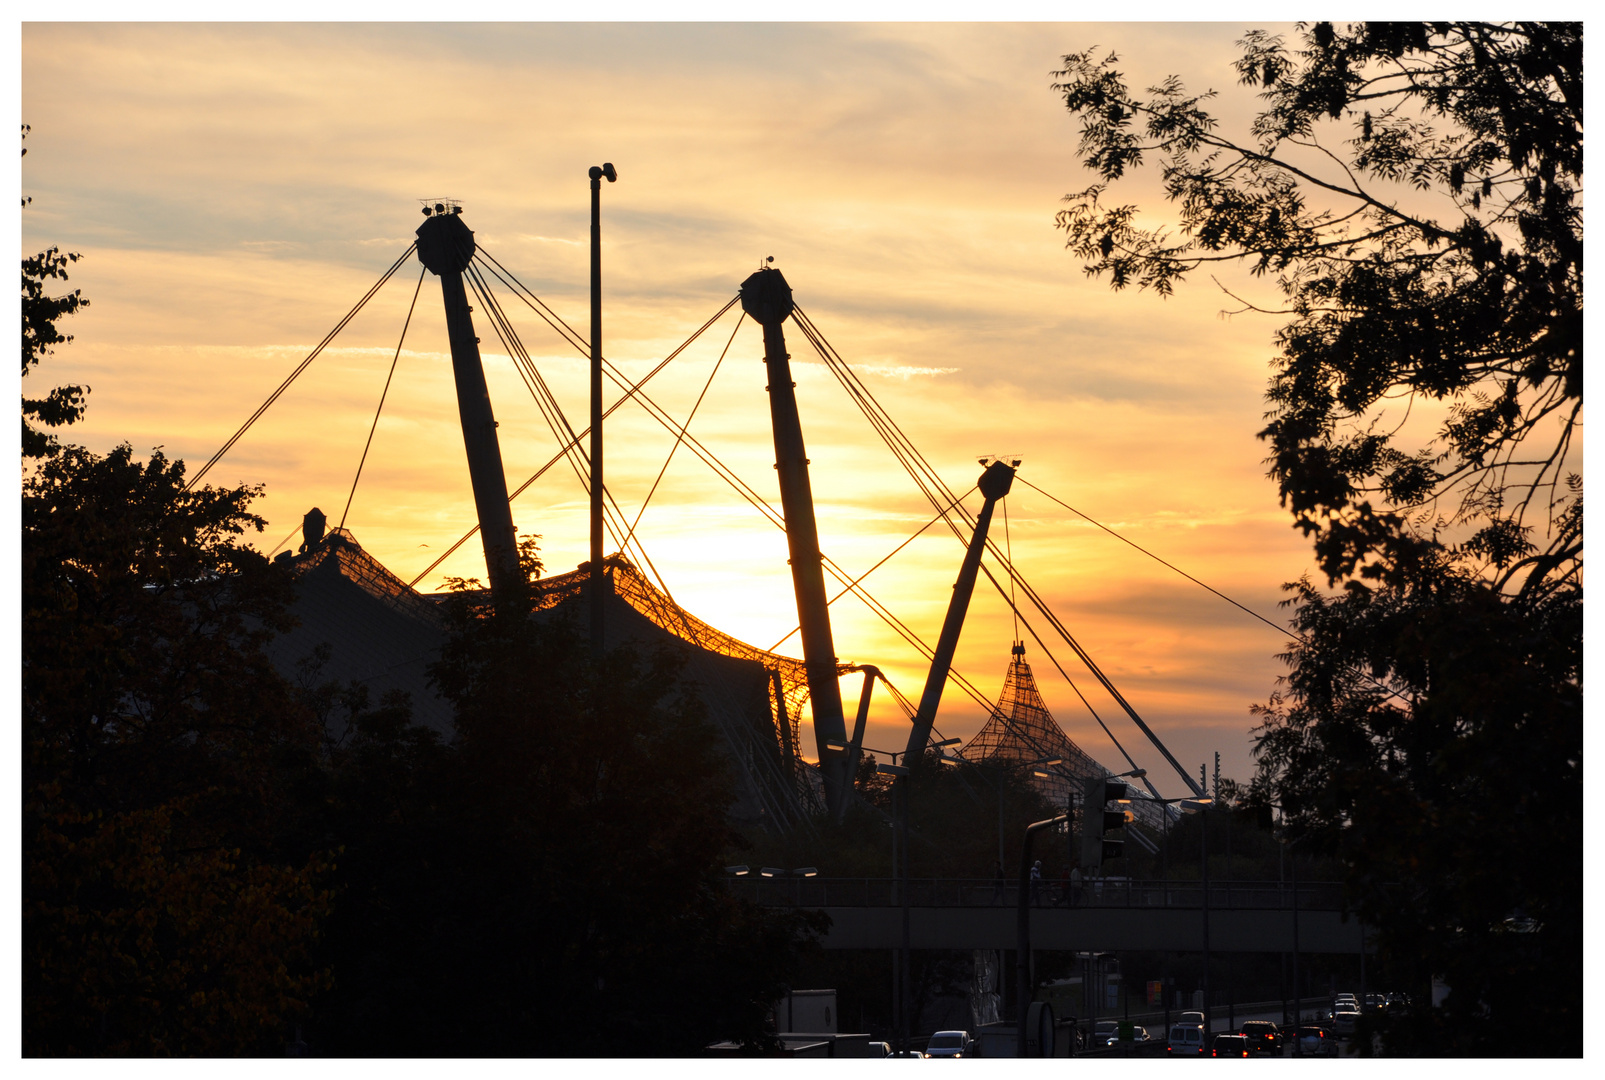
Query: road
(1155, 1046)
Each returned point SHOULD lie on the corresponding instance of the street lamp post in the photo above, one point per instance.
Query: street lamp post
(1286, 848)
(1023, 954)
(1203, 872)
(899, 775)
(1022, 962)
(1189, 805)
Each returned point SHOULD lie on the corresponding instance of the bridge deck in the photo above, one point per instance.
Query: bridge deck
(866, 913)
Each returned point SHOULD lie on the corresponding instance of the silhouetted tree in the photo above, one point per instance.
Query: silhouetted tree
(40, 336)
(550, 883)
(160, 914)
(1412, 189)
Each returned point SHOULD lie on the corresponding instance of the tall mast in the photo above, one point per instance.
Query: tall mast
(445, 246)
(767, 298)
(994, 483)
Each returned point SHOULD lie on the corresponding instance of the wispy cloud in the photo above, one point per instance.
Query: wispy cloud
(237, 188)
(901, 371)
(549, 239)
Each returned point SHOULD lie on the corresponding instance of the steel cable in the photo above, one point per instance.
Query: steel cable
(927, 479)
(382, 395)
(678, 439)
(553, 413)
(313, 355)
(631, 392)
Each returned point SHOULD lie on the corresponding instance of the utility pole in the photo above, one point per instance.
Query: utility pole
(598, 579)
(1203, 841)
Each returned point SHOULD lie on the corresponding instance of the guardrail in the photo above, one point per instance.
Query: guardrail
(817, 892)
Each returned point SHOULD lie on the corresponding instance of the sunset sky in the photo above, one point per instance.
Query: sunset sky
(234, 189)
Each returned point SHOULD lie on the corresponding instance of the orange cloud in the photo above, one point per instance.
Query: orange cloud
(235, 189)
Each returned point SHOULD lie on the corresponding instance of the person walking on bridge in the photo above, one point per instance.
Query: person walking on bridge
(1036, 883)
(997, 883)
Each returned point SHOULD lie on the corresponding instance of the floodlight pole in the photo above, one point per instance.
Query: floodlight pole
(598, 579)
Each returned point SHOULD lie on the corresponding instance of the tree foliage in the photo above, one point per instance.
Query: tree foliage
(550, 883)
(208, 865)
(213, 860)
(1432, 255)
(1431, 736)
(161, 913)
(1413, 191)
(40, 336)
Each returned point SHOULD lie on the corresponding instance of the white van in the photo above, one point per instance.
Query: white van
(1186, 1039)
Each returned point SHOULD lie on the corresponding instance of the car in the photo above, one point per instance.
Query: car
(1313, 1041)
(1113, 1037)
(880, 1050)
(1229, 1046)
(1185, 1039)
(1375, 1003)
(1191, 1017)
(948, 1044)
(1343, 1021)
(1263, 1036)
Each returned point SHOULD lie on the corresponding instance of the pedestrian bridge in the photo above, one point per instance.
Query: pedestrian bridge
(1104, 915)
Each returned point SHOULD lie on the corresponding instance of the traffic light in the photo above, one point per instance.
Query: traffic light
(1099, 819)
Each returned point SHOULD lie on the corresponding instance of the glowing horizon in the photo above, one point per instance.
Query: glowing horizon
(235, 189)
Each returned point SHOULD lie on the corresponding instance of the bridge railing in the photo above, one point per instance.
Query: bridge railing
(815, 892)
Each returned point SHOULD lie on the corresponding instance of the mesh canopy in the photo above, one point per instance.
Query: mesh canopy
(375, 629)
(1022, 730)
(764, 735)
(368, 625)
